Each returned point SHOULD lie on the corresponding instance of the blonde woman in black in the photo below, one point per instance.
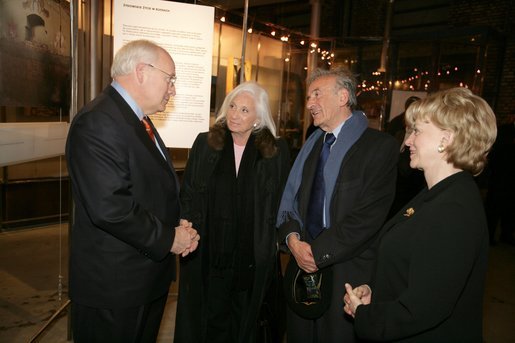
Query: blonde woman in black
(430, 275)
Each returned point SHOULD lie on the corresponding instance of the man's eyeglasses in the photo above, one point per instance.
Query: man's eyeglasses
(170, 78)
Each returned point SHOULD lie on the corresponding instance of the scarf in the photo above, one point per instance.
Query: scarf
(230, 214)
(351, 130)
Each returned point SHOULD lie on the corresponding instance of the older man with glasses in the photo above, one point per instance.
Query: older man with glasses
(127, 228)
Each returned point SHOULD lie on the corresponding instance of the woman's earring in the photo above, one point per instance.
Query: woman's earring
(255, 125)
(441, 148)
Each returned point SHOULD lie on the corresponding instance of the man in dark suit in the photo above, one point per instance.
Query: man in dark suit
(126, 228)
(359, 186)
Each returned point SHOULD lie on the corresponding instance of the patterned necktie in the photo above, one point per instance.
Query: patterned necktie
(315, 214)
(148, 128)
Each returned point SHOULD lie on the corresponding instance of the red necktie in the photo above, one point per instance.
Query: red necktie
(148, 128)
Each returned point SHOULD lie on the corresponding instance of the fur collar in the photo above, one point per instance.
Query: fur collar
(264, 141)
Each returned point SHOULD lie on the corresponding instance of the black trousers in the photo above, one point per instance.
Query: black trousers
(227, 309)
(126, 325)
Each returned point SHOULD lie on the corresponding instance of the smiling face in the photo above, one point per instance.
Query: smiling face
(327, 105)
(241, 117)
(423, 143)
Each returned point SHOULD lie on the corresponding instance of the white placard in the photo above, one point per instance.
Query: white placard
(186, 32)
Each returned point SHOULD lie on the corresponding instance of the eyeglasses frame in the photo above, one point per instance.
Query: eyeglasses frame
(171, 78)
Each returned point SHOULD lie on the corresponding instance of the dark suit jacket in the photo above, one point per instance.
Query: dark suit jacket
(126, 208)
(363, 193)
(429, 281)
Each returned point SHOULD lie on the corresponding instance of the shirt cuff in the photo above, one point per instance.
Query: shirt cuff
(288, 236)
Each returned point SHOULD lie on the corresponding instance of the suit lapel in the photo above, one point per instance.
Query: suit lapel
(163, 148)
(407, 211)
(161, 143)
(349, 153)
(132, 119)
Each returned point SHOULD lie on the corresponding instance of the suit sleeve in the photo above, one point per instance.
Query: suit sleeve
(290, 225)
(99, 164)
(364, 200)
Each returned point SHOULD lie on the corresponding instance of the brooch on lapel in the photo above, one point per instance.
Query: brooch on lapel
(409, 212)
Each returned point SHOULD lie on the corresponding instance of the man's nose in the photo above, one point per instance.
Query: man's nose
(171, 90)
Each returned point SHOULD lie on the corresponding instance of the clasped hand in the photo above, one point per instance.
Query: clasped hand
(361, 295)
(186, 238)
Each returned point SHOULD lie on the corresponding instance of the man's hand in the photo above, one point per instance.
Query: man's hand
(195, 237)
(302, 253)
(186, 239)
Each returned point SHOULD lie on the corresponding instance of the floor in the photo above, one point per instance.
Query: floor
(33, 276)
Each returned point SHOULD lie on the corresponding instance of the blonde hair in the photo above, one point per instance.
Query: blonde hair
(263, 112)
(468, 117)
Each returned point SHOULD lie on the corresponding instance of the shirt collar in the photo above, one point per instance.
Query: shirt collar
(126, 96)
(337, 130)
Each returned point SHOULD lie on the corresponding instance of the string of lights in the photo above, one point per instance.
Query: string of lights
(416, 80)
(298, 41)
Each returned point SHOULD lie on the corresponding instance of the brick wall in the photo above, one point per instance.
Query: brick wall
(497, 15)
(368, 19)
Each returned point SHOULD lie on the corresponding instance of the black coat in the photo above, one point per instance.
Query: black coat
(272, 170)
(362, 196)
(429, 281)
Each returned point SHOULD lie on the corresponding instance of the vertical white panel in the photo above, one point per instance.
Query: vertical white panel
(186, 32)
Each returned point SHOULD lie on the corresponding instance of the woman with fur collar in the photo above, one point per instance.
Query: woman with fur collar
(231, 191)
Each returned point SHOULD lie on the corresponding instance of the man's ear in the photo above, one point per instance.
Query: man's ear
(140, 72)
(343, 97)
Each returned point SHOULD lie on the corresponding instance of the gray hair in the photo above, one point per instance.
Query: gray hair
(344, 80)
(262, 104)
(132, 53)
